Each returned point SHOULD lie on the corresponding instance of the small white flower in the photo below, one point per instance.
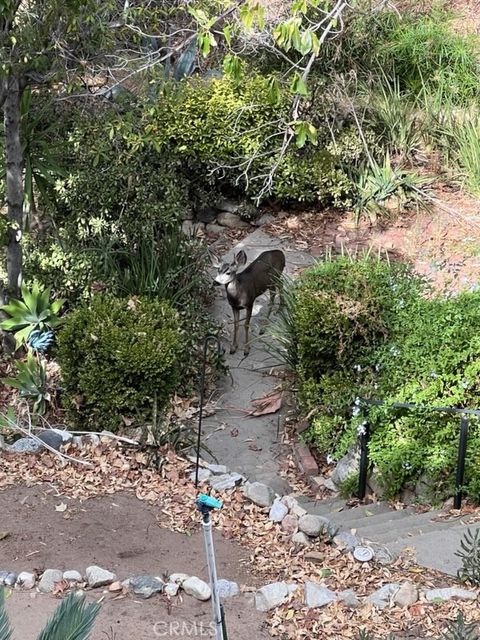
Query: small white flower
(465, 384)
(357, 402)
(355, 411)
(433, 374)
(378, 367)
(330, 459)
(362, 429)
(357, 367)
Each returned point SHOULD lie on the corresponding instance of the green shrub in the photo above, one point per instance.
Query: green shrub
(120, 360)
(367, 328)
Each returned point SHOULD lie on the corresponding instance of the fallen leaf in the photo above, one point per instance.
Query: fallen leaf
(61, 507)
(269, 403)
(4, 534)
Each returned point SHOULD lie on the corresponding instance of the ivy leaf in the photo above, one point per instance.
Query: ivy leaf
(298, 85)
(227, 34)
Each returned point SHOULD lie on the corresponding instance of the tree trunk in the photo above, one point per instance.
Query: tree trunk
(14, 182)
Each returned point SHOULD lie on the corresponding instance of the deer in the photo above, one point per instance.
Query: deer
(244, 288)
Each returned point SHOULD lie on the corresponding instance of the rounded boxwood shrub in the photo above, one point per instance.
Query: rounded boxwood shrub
(120, 359)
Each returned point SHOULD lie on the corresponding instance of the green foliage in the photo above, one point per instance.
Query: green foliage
(120, 359)
(465, 135)
(381, 337)
(73, 619)
(469, 554)
(34, 312)
(31, 381)
(460, 630)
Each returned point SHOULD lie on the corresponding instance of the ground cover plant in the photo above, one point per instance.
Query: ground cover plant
(384, 335)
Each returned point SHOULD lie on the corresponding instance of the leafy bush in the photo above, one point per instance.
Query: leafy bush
(120, 360)
(380, 336)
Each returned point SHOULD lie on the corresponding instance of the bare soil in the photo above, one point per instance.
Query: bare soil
(120, 533)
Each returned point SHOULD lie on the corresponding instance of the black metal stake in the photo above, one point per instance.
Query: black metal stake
(208, 339)
(462, 450)
(362, 476)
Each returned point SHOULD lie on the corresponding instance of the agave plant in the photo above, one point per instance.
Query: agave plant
(31, 381)
(34, 312)
(73, 619)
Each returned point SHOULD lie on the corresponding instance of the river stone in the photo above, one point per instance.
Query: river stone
(10, 580)
(381, 598)
(26, 445)
(266, 218)
(301, 539)
(197, 588)
(217, 469)
(349, 598)
(227, 589)
(271, 596)
(206, 214)
(3, 575)
(450, 592)
(347, 466)
(259, 494)
(289, 524)
(178, 578)
(48, 580)
(346, 540)
(318, 596)
(25, 580)
(277, 512)
(225, 481)
(231, 220)
(406, 595)
(98, 577)
(146, 586)
(312, 525)
(72, 576)
(171, 589)
(51, 438)
(203, 475)
(223, 204)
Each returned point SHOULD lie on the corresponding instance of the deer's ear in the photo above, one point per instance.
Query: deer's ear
(241, 258)
(215, 260)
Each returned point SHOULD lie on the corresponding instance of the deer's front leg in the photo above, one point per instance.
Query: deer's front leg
(236, 318)
(246, 349)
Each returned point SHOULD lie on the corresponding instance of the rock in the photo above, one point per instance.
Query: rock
(266, 218)
(227, 589)
(448, 593)
(315, 556)
(347, 466)
(346, 540)
(10, 580)
(98, 577)
(330, 485)
(3, 445)
(197, 588)
(217, 469)
(406, 595)
(271, 596)
(289, 501)
(72, 576)
(78, 442)
(115, 586)
(178, 578)
(382, 554)
(26, 445)
(301, 539)
(206, 214)
(48, 580)
(94, 439)
(349, 598)
(225, 481)
(299, 511)
(381, 598)
(53, 438)
(289, 524)
(318, 596)
(277, 512)
(171, 589)
(3, 575)
(259, 494)
(313, 525)
(231, 206)
(203, 475)
(190, 228)
(214, 228)
(25, 580)
(146, 586)
(231, 220)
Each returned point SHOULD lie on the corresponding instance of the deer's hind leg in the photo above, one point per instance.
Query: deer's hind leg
(236, 319)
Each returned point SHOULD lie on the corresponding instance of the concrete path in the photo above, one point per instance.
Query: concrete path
(249, 445)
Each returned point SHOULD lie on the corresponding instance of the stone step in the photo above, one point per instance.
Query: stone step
(415, 525)
(381, 521)
(436, 549)
(323, 507)
(357, 516)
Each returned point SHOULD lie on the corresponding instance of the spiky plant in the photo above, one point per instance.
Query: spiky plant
(73, 619)
(469, 554)
(460, 630)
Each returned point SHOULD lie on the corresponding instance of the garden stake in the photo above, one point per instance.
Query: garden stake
(205, 504)
(208, 339)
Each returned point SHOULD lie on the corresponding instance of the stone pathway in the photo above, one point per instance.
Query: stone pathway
(249, 445)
